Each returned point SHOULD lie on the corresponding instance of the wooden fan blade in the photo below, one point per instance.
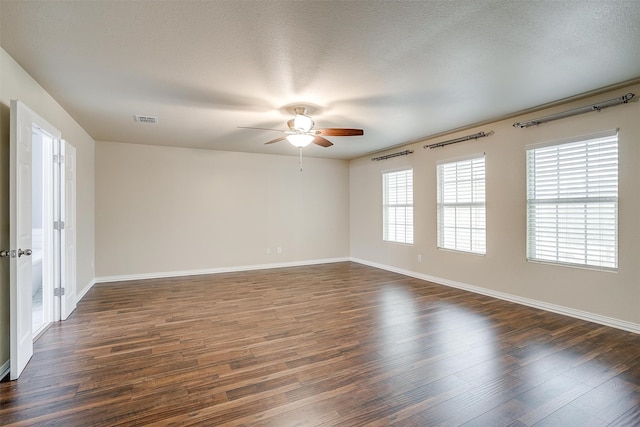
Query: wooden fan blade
(276, 140)
(322, 142)
(340, 132)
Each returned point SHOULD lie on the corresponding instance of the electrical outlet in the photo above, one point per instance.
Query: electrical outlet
(268, 251)
(420, 258)
(279, 250)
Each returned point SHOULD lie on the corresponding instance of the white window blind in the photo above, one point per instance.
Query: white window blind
(572, 203)
(461, 206)
(398, 206)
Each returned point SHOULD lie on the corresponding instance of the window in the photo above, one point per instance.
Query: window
(461, 206)
(572, 202)
(398, 206)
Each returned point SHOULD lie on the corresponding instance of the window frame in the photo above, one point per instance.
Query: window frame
(566, 207)
(387, 234)
(475, 233)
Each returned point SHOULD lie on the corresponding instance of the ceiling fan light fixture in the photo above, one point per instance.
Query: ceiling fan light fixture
(300, 140)
(302, 123)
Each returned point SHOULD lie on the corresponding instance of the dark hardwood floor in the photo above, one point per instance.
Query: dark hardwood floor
(329, 345)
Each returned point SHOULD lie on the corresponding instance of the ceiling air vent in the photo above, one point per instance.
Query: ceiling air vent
(145, 119)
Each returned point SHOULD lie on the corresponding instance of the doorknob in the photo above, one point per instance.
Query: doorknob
(26, 252)
(5, 254)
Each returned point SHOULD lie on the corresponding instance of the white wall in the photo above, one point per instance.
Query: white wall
(15, 83)
(504, 268)
(166, 210)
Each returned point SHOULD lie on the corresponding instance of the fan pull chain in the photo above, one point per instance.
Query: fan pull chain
(300, 161)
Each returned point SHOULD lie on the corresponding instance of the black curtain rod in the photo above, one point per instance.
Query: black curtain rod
(587, 108)
(388, 156)
(461, 139)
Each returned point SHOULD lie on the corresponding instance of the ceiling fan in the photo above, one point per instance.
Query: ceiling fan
(301, 132)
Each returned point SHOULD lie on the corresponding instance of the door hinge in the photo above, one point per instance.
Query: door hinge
(58, 158)
(58, 292)
(58, 225)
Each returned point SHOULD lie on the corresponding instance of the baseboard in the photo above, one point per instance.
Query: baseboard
(80, 295)
(5, 368)
(567, 311)
(217, 270)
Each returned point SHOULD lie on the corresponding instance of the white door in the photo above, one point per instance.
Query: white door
(20, 237)
(20, 304)
(68, 231)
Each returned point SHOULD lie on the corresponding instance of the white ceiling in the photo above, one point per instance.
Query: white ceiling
(400, 70)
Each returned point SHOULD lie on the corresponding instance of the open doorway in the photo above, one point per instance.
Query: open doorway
(43, 192)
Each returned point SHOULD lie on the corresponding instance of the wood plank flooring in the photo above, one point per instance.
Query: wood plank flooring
(329, 345)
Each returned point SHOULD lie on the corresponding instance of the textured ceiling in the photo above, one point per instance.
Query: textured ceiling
(402, 71)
